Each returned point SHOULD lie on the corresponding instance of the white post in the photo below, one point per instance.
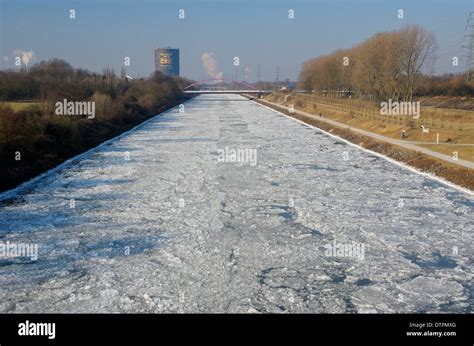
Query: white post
(437, 138)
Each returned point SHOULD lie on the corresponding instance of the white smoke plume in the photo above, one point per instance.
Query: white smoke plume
(24, 55)
(209, 63)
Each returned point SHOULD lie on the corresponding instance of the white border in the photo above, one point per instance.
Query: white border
(398, 163)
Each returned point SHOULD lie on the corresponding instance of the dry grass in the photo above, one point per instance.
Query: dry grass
(17, 106)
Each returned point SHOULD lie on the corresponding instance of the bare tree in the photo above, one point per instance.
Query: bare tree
(387, 65)
(417, 51)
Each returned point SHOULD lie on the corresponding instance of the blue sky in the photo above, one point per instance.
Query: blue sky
(258, 31)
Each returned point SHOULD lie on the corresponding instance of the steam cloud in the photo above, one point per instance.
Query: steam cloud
(25, 56)
(210, 65)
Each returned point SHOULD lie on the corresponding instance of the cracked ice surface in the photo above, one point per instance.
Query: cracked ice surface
(174, 230)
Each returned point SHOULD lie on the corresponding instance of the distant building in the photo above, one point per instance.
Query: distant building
(167, 61)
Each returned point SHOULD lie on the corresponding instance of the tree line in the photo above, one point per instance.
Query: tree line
(389, 65)
(35, 139)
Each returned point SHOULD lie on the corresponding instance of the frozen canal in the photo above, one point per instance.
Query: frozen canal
(167, 219)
